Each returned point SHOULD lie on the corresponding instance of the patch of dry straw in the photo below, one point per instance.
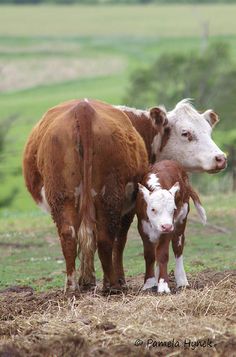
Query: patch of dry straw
(105, 322)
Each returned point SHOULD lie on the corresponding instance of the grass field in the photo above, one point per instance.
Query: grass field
(105, 21)
(31, 253)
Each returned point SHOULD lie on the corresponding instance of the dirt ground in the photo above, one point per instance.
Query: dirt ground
(199, 321)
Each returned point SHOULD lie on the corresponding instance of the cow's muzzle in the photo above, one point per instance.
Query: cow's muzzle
(221, 162)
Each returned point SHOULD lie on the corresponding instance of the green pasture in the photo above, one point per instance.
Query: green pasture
(31, 253)
(105, 21)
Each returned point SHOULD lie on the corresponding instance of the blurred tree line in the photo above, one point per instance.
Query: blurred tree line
(128, 2)
(208, 76)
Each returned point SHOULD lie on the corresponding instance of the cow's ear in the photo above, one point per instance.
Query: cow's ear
(158, 115)
(175, 188)
(145, 191)
(211, 117)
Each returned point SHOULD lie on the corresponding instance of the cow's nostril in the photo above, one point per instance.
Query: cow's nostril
(221, 162)
(220, 158)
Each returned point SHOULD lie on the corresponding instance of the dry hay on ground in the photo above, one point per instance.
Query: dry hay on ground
(50, 324)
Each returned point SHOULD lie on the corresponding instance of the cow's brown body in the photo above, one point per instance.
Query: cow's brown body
(88, 159)
(168, 174)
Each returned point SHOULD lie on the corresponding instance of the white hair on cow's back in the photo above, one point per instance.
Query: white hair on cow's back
(137, 112)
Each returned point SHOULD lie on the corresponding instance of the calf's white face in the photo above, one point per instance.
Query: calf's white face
(190, 141)
(160, 207)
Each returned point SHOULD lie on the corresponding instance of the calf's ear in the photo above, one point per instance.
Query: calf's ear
(211, 117)
(145, 191)
(175, 188)
(158, 115)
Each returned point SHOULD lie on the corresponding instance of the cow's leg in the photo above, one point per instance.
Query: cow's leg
(162, 258)
(106, 232)
(66, 222)
(119, 245)
(105, 246)
(149, 256)
(178, 247)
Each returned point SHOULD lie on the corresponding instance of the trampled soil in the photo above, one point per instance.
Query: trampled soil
(199, 321)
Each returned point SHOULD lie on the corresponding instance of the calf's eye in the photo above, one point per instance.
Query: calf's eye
(185, 134)
(153, 210)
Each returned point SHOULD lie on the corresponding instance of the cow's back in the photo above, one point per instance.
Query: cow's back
(117, 144)
(54, 153)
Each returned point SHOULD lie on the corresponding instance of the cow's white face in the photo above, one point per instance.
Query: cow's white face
(189, 140)
(160, 207)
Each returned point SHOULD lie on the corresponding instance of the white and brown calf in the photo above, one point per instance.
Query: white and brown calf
(162, 209)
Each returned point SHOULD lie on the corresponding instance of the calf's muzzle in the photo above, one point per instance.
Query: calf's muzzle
(167, 228)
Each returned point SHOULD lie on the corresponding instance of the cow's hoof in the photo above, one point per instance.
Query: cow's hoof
(87, 287)
(87, 284)
(112, 290)
(71, 291)
(123, 284)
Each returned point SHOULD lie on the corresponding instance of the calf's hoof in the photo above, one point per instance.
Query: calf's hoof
(163, 287)
(182, 287)
(150, 285)
(182, 283)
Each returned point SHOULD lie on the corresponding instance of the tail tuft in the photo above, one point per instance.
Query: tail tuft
(201, 212)
(197, 203)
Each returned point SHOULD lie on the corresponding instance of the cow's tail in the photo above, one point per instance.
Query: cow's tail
(33, 179)
(85, 114)
(197, 203)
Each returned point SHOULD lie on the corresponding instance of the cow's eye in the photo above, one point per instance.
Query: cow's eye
(187, 134)
(153, 210)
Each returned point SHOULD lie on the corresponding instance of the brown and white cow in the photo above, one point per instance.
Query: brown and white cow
(162, 208)
(82, 163)
(185, 137)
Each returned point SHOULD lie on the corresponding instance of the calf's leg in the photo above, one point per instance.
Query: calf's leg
(178, 247)
(162, 258)
(149, 256)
